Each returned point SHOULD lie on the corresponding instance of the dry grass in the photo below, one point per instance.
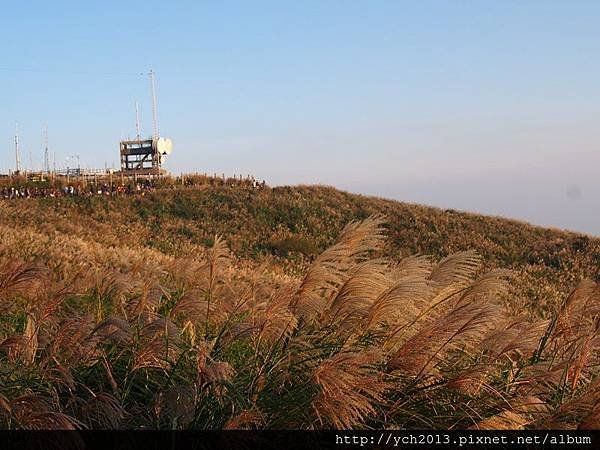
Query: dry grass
(106, 335)
(289, 227)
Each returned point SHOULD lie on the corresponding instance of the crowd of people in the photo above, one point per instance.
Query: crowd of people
(72, 190)
(122, 188)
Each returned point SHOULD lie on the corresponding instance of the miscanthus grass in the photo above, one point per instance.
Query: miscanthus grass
(109, 338)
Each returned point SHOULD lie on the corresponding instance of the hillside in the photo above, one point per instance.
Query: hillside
(290, 225)
(297, 308)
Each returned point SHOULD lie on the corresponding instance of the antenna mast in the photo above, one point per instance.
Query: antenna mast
(17, 157)
(46, 156)
(137, 122)
(154, 118)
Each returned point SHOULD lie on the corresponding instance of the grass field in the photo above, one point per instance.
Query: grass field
(293, 307)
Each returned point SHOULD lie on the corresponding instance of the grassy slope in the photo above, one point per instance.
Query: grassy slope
(291, 224)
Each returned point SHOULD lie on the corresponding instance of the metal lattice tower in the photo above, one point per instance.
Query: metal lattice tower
(17, 156)
(46, 156)
(155, 133)
(138, 135)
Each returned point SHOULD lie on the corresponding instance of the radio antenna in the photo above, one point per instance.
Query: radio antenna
(155, 133)
(17, 156)
(46, 155)
(137, 122)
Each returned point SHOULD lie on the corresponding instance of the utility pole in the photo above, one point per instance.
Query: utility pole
(155, 133)
(17, 156)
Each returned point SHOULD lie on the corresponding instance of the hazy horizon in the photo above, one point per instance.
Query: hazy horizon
(484, 107)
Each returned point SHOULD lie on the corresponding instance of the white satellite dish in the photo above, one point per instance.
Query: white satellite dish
(163, 146)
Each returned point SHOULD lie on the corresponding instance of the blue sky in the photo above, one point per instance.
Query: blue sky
(484, 106)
